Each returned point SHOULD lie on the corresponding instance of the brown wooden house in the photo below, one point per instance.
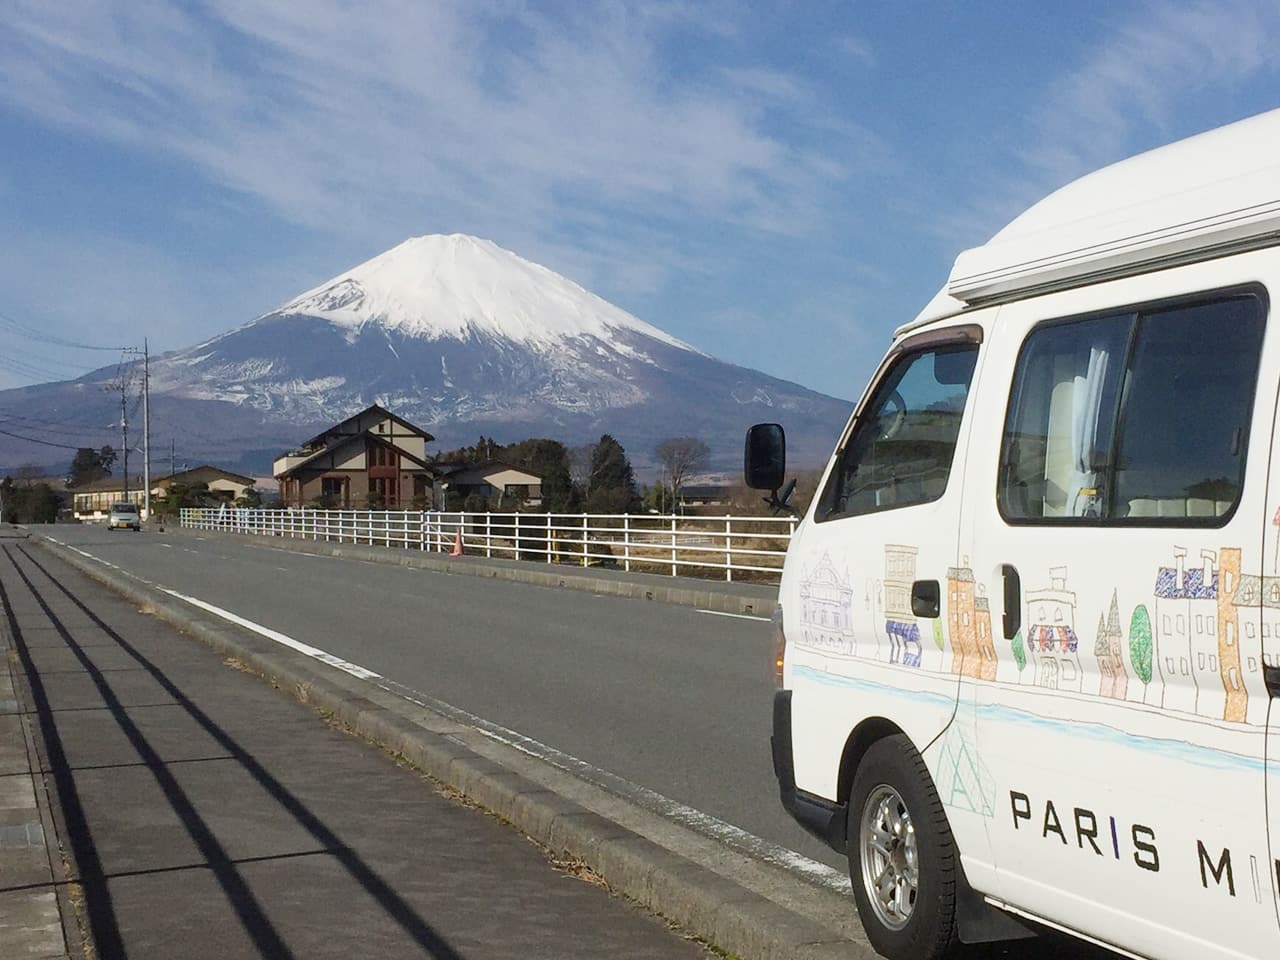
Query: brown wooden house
(372, 460)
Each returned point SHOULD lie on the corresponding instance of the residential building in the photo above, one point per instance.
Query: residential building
(92, 502)
(373, 459)
(221, 484)
(502, 484)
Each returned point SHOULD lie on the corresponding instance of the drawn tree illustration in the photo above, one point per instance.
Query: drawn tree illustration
(937, 632)
(1019, 651)
(1140, 648)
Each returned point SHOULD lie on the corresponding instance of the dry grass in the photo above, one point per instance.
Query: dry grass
(576, 867)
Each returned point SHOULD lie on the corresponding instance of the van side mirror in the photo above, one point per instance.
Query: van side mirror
(764, 462)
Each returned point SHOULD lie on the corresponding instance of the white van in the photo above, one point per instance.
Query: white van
(1030, 626)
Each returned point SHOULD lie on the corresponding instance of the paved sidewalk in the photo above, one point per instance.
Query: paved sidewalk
(202, 813)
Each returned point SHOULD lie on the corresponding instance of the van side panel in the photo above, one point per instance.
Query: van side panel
(1122, 733)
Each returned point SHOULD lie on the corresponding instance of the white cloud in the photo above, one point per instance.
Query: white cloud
(1130, 93)
(857, 48)
(487, 117)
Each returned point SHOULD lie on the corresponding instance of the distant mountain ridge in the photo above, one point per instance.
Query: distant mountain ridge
(462, 337)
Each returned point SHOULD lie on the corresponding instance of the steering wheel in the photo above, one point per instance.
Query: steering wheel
(892, 414)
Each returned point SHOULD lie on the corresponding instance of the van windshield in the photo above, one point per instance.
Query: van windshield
(124, 508)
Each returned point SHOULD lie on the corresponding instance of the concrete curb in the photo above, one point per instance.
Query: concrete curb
(741, 598)
(735, 917)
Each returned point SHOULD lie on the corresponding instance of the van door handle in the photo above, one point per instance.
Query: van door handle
(1012, 600)
(926, 599)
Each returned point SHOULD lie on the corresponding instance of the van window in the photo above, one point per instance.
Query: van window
(1137, 418)
(900, 449)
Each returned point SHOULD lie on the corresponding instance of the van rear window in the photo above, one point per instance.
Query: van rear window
(1138, 418)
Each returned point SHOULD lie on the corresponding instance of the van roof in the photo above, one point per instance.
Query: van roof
(1205, 196)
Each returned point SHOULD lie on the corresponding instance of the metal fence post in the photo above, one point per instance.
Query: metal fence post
(675, 563)
(728, 548)
(488, 534)
(626, 543)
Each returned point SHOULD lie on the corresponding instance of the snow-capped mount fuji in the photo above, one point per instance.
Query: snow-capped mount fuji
(438, 328)
(459, 286)
(462, 337)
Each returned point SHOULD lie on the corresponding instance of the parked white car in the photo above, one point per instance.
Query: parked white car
(1029, 630)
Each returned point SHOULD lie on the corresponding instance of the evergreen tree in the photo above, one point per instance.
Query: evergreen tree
(90, 465)
(611, 486)
(549, 460)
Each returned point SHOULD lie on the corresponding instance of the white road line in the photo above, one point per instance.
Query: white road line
(167, 546)
(736, 616)
(315, 653)
(703, 823)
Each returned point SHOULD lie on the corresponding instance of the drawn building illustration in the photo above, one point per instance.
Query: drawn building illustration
(1235, 701)
(899, 622)
(1051, 634)
(1109, 649)
(1186, 632)
(962, 627)
(1251, 593)
(986, 665)
(973, 651)
(826, 609)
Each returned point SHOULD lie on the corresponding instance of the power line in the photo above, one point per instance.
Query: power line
(32, 334)
(43, 443)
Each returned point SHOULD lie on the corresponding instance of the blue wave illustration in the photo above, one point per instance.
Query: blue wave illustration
(1180, 750)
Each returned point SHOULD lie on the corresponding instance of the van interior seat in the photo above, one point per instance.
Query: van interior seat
(1178, 507)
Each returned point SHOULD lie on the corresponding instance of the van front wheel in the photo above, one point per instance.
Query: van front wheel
(902, 857)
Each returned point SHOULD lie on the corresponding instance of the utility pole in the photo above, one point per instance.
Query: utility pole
(146, 430)
(172, 456)
(124, 434)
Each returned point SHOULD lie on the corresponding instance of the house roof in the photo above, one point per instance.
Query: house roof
(484, 468)
(322, 436)
(109, 484)
(186, 474)
(351, 438)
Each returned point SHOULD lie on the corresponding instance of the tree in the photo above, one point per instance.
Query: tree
(1019, 651)
(179, 495)
(8, 503)
(251, 497)
(29, 503)
(1140, 643)
(89, 466)
(611, 487)
(681, 456)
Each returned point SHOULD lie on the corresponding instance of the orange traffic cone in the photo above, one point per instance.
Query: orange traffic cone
(457, 546)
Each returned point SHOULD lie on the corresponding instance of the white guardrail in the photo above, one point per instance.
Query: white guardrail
(745, 548)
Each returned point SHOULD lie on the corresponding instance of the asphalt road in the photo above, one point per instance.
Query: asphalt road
(669, 699)
(666, 697)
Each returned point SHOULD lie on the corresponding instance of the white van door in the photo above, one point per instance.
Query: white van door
(1114, 515)
(880, 539)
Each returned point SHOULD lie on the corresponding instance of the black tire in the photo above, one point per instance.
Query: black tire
(892, 786)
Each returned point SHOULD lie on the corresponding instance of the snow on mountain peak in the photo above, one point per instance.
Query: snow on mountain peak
(441, 286)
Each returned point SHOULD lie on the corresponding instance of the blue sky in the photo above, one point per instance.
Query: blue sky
(778, 184)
